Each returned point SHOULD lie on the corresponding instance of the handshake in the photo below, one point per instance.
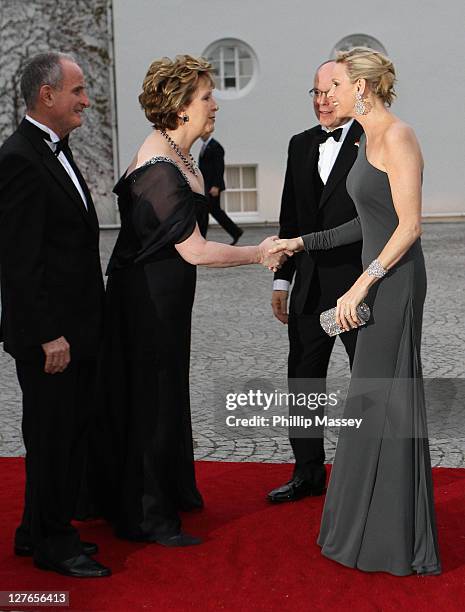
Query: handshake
(274, 251)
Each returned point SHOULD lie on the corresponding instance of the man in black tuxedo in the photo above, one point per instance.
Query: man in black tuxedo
(211, 164)
(52, 298)
(315, 198)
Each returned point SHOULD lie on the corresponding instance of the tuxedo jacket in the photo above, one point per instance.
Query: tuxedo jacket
(51, 279)
(309, 206)
(211, 164)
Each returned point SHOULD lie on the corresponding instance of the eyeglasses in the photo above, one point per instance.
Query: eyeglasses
(317, 93)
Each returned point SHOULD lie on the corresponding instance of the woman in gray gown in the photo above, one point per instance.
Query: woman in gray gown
(379, 512)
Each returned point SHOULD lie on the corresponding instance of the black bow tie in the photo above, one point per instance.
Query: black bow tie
(323, 135)
(60, 145)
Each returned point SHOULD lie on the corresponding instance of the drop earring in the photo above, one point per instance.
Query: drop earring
(360, 108)
(362, 105)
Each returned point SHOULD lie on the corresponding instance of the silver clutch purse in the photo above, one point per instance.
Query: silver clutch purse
(328, 319)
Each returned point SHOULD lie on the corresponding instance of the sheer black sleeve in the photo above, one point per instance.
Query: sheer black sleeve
(164, 208)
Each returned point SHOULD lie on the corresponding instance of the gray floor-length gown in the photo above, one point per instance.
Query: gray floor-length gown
(379, 512)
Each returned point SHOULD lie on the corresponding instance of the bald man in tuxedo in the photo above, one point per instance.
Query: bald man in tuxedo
(315, 198)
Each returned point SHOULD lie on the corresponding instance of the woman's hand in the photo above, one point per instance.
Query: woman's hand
(346, 307)
(272, 261)
(287, 245)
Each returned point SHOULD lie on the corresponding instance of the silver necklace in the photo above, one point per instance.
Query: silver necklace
(190, 163)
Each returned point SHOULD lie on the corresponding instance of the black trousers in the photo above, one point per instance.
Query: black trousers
(222, 218)
(309, 355)
(56, 410)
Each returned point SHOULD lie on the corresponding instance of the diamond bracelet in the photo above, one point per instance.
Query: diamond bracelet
(376, 269)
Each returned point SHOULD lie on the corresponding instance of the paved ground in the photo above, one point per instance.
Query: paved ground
(237, 345)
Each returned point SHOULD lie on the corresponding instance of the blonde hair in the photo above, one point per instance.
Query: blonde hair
(169, 85)
(374, 67)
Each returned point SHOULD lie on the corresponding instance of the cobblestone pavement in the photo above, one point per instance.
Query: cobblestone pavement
(236, 340)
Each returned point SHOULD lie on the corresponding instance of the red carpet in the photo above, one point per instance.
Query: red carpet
(255, 557)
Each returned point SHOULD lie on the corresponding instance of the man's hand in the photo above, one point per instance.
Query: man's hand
(279, 305)
(57, 355)
(214, 192)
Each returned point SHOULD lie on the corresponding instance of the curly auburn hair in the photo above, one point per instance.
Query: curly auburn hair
(375, 67)
(169, 86)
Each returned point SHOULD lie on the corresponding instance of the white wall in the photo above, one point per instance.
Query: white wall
(425, 39)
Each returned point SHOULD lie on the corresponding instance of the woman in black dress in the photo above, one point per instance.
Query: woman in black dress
(145, 465)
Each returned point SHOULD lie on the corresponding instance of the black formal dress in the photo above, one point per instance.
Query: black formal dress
(211, 164)
(320, 278)
(144, 426)
(52, 286)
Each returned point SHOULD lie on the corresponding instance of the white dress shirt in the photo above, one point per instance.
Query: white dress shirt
(61, 156)
(328, 152)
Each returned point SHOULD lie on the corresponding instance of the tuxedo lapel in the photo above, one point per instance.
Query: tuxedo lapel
(312, 158)
(91, 214)
(60, 175)
(309, 159)
(344, 161)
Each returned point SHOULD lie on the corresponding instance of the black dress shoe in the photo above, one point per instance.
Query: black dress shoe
(27, 550)
(81, 566)
(237, 236)
(180, 539)
(294, 490)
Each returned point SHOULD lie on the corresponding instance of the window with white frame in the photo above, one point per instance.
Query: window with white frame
(234, 65)
(358, 40)
(241, 189)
